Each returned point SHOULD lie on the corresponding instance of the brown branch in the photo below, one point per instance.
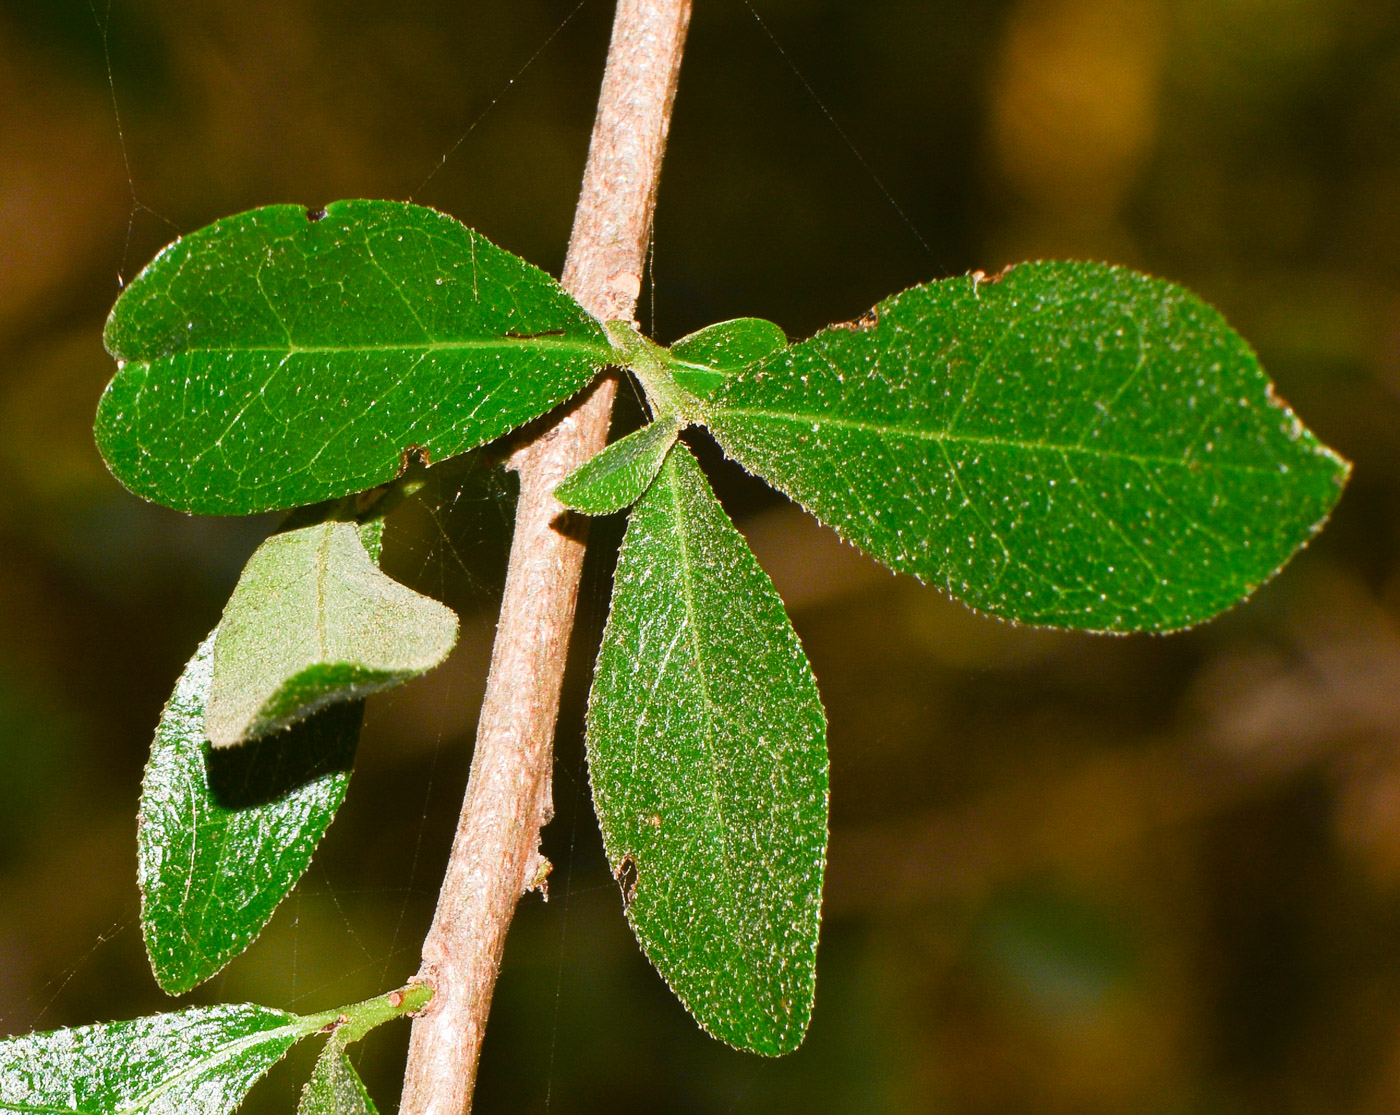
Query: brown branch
(495, 854)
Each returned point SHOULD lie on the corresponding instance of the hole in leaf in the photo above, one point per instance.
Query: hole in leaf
(314, 215)
(414, 455)
(627, 876)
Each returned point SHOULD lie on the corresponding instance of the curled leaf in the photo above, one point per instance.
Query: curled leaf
(314, 622)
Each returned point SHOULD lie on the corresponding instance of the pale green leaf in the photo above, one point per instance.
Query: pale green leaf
(707, 754)
(335, 1088)
(196, 1062)
(313, 621)
(1073, 444)
(278, 358)
(616, 477)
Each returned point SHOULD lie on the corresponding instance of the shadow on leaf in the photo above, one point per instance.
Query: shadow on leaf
(268, 769)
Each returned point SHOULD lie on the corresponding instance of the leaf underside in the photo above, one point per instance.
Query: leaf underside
(707, 756)
(1073, 445)
(196, 1062)
(272, 360)
(313, 621)
(225, 834)
(335, 1088)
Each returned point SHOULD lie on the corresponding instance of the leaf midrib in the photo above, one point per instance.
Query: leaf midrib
(711, 709)
(602, 350)
(943, 437)
(144, 1100)
(225, 1053)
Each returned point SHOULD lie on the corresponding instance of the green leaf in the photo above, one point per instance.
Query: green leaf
(707, 755)
(196, 1062)
(313, 622)
(1074, 445)
(703, 360)
(224, 834)
(276, 358)
(335, 1088)
(616, 477)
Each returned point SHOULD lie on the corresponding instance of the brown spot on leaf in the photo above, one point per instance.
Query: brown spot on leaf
(314, 215)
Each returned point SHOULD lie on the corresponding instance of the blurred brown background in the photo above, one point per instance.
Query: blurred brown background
(1068, 874)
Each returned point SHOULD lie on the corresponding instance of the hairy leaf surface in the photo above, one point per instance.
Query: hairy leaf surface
(703, 360)
(312, 622)
(224, 834)
(335, 1088)
(196, 1062)
(276, 358)
(616, 477)
(707, 755)
(1073, 444)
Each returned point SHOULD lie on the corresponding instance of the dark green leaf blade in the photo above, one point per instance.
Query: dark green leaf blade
(196, 1062)
(707, 756)
(703, 360)
(1073, 445)
(223, 835)
(616, 477)
(312, 622)
(272, 360)
(335, 1088)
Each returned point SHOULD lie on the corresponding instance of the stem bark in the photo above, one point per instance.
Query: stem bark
(495, 854)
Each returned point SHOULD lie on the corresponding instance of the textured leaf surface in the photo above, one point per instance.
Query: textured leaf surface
(1074, 444)
(196, 1062)
(271, 360)
(312, 622)
(224, 834)
(707, 754)
(709, 356)
(616, 477)
(335, 1088)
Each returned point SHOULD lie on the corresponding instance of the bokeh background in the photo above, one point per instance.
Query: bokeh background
(1068, 874)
